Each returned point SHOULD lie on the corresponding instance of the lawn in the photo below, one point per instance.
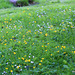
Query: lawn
(37, 39)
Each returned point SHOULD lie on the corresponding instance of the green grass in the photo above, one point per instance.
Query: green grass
(38, 40)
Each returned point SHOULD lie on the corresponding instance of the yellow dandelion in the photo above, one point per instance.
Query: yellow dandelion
(32, 43)
(55, 31)
(50, 18)
(10, 39)
(46, 34)
(10, 19)
(18, 58)
(3, 36)
(56, 47)
(11, 70)
(48, 43)
(61, 48)
(40, 32)
(45, 46)
(39, 63)
(22, 58)
(74, 51)
(51, 54)
(64, 46)
(14, 52)
(42, 58)
(29, 60)
(6, 68)
(63, 29)
(12, 36)
(64, 52)
(45, 50)
(30, 14)
(2, 55)
(18, 41)
(6, 27)
(58, 51)
(24, 55)
(33, 66)
(7, 32)
(42, 46)
(25, 42)
(5, 44)
(17, 67)
(12, 66)
(34, 21)
(62, 22)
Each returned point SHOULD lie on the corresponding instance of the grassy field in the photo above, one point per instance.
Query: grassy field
(39, 39)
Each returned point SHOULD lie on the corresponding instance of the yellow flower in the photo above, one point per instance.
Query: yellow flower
(48, 43)
(5, 44)
(10, 39)
(23, 35)
(30, 14)
(64, 52)
(61, 48)
(56, 47)
(34, 21)
(63, 29)
(11, 70)
(40, 32)
(26, 60)
(12, 62)
(18, 58)
(46, 34)
(51, 54)
(7, 32)
(42, 46)
(64, 47)
(74, 51)
(58, 51)
(19, 32)
(22, 58)
(33, 66)
(3, 36)
(25, 42)
(23, 11)
(14, 40)
(12, 36)
(24, 55)
(6, 68)
(45, 46)
(29, 60)
(18, 41)
(10, 19)
(12, 66)
(55, 31)
(62, 22)
(33, 44)
(6, 27)
(39, 63)
(45, 50)
(14, 52)
(50, 18)
(17, 67)
(42, 58)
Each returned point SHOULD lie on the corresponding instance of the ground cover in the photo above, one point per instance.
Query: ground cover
(38, 40)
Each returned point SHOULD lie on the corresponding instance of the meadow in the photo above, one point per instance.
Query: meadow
(37, 39)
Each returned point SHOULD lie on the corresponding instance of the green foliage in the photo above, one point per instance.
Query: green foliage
(38, 40)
